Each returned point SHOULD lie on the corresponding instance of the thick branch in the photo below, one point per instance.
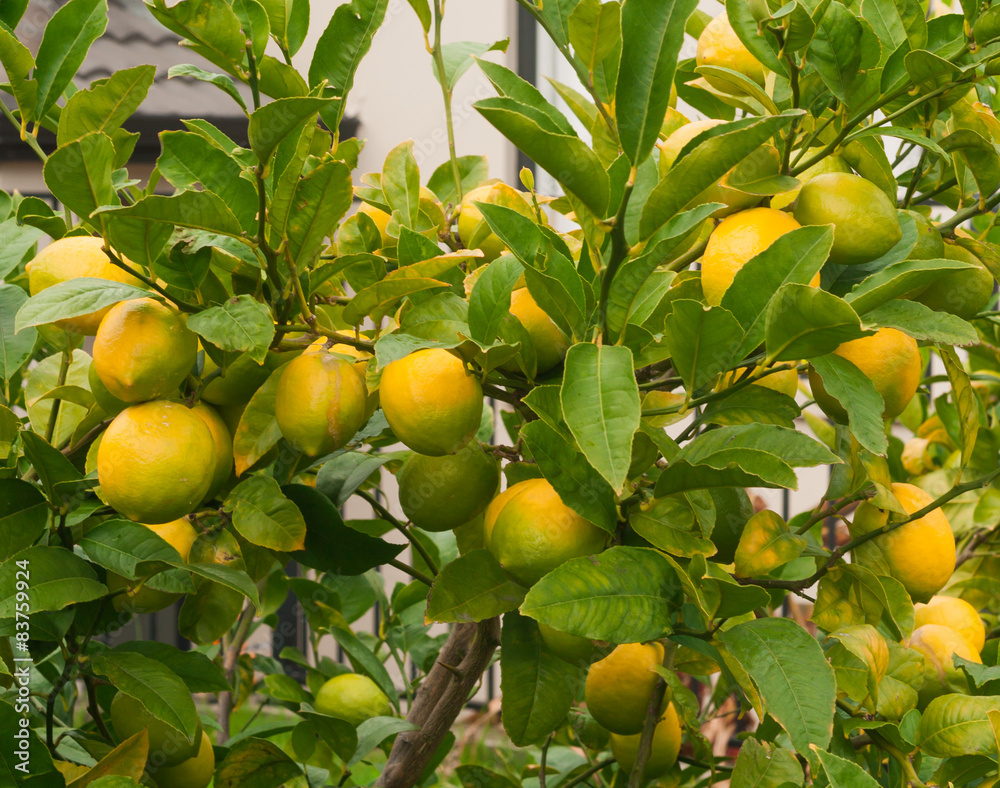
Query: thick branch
(440, 699)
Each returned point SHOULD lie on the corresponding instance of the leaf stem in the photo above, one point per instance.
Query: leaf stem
(394, 521)
(948, 227)
(29, 138)
(416, 574)
(619, 253)
(446, 93)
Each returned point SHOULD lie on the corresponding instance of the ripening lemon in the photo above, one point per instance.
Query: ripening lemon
(109, 403)
(441, 493)
(473, 230)
(663, 753)
(381, 220)
(180, 534)
(547, 339)
(241, 379)
(72, 258)
(143, 350)
(718, 45)
(950, 611)
(938, 645)
(671, 148)
(865, 223)
(493, 511)
(156, 461)
(320, 402)
(360, 366)
(352, 697)
(737, 240)
(920, 554)
(223, 441)
(619, 687)
(930, 245)
(571, 648)
(784, 382)
(167, 745)
(196, 772)
(832, 163)
(535, 532)
(890, 359)
(433, 404)
(964, 293)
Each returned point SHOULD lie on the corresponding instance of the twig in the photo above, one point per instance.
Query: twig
(619, 252)
(416, 574)
(394, 521)
(638, 776)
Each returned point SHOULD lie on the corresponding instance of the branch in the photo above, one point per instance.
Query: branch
(638, 776)
(440, 699)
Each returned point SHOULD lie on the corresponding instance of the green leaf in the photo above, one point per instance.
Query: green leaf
(270, 124)
(652, 34)
(255, 763)
(379, 298)
(579, 486)
(15, 346)
(16, 240)
(600, 402)
(317, 205)
(106, 106)
(338, 734)
(965, 400)
(955, 725)
(330, 545)
(342, 45)
(195, 669)
(538, 687)
(719, 151)
(793, 258)
(374, 731)
(753, 404)
(473, 171)
(856, 393)
(896, 22)
(258, 430)
(563, 155)
(702, 341)
(401, 184)
(791, 675)
(265, 517)
(256, 25)
(473, 587)
(65, 43)
(75, 297)
(79, 174)
(128, 549)
(805, 322)
(240, 324)
(221, 81)
(362, 657)
(489, 302)
(18, 64)
(843, 773)
(197, 210)
(921, 322)
(23, 515)
(212, 29)
(761, 765)
(670, 525)
(339, 478)
(763, 47)
(835, 51)
(594, 30)
(459, 56)
(978, 153)
(623, 595)
(895, 280)
(126, 762)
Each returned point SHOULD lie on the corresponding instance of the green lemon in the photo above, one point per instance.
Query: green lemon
(195, 772)
(930, 245)
(167, 745)
(571, 648)
(964, 293)
(352, 697)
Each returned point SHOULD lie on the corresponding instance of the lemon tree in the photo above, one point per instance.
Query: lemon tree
(768, 264)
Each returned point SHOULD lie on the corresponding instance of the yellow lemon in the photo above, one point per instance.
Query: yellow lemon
(663, 753)
(167, 745)
(319, 403)
(890, 359)
(737, 240)
(964, 293)
(832, 163)
(535, 532)
(865, 223)
(718, 45)
(549, 342)
(938, 645)
(196, 772)
(180, 534)
(223, 441)
(441, 493)
(431, 401)
(785, 382)
(473, 230)
(381, 219)
(619, 687)
(143, 350)
(72, 258)
(360, 366)
(156, 461)
(950, 611)
(920, 554)
(494, 509)
(352, 697)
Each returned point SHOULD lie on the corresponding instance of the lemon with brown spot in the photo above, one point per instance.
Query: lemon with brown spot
(156, 461)
(143, 350)
(140, 598)
(535, 532)
(663, 752)
(890, 359)
(738, 239)
(718, 45)
(72, 258)
(320, 402)
(618, 687)
(432, 402)
(951, 611)
(547, 339)
(919, 554)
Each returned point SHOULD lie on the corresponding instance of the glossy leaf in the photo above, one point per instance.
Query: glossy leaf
(15, 346)
(270, 124)
(372, 732)
(58, 579)
(473, 587)
(79, 174)
(702, 341)
(921, 322)
(805, 322)
(15, 242)
(965, 400)
(857, 395)
(896, 280)
(127, 548)
(195, 210)
(472, 170)
(670, 525)
(255, 762)
(836, 50)
(623, 595)
(843, 773)
(265, 517)
(194, 668)
(761, 765)
(106, 106)
(65, 43)
(753, 404)
(73, 298)
(240, 324)
(955, 725)
(258, 431)
(317, 205)
(23, 515)
(489, 302)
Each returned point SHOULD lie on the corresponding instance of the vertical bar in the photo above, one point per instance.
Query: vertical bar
(527, 67)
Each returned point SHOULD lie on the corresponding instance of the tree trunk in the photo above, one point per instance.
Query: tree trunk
(441, 697)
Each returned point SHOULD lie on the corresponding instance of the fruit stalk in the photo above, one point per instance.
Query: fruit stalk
(440, 699)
